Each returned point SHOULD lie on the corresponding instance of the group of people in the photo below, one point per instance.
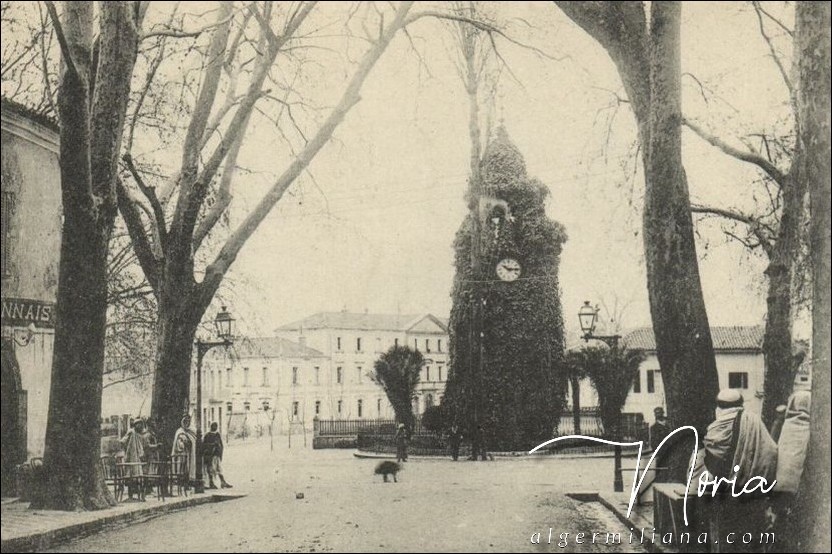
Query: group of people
(739, 446)
(140, 446)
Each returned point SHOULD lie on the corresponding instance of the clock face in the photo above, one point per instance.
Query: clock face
(508, 269)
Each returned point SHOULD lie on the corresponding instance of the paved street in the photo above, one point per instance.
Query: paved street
(437, 505)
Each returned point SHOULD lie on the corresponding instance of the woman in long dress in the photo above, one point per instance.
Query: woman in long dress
(184, 442)
(133, 446)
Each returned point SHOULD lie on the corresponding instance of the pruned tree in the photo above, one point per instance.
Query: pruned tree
(98, 52)
(397, 371)
(778, 228)
(647, 57)
(611, 372)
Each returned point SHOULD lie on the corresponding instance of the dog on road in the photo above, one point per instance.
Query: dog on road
(388, 468)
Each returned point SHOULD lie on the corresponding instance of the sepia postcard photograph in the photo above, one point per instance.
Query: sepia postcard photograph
(416, 276)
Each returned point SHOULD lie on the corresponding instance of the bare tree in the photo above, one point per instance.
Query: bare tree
(648, 62)
(92, 104)
(778, 229)
(169, 227)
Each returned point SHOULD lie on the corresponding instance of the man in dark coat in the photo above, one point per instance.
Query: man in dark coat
(454, 438)
(212, 455)
(658, 432)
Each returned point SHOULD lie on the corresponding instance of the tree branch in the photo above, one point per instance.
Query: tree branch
(785, 74)
(755, 226)
(59, 34)
(150, 194)
(144, 252)
(743, 155)
(351, 96)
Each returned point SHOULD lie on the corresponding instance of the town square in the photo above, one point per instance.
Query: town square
(415, 276)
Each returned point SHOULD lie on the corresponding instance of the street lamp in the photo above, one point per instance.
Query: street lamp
(588, 318)
(224, 325)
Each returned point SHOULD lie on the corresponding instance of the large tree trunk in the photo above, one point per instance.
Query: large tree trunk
(176, 330)
(680, 322)
(92, 120)
(650, 69)
(812, 45)
(777, 340)
(73, 432)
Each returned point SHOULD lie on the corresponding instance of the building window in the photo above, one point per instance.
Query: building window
(359, 372)
(651, 380)
(427, 373)
(338, 344)
(247, 406)
(396, 342)
(378, 407)
(317, 375)
(228, 377)
(294, 376)
(427, 346)
(439, 369)
(339, 375)
(439, 345)
(245, 376)
(429, 401)
(265, 377)
(228, 407)
(295, 408)
(358, 344)
(416, 344)
(360, 408)
(340, 406)
(737, 380)
(317, 407)
(637, 382)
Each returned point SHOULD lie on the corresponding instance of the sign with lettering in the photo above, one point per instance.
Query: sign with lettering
(20, 312)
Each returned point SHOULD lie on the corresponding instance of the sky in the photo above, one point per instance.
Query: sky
(374, 229)
(370, 225)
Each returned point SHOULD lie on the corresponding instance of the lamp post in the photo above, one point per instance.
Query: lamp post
(224, 325)
(588, 318)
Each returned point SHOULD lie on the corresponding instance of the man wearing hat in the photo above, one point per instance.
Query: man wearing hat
(658, 432)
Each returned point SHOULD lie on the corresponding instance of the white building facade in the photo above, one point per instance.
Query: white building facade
(319, 366)
(30, 252)
(739, 361)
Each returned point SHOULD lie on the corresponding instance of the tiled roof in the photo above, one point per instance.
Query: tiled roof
(724, 338)
(273, 347)
(358, 321)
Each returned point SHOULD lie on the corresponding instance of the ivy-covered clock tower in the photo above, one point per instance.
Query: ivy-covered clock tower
(514, 395)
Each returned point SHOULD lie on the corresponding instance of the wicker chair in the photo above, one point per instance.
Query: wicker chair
(108, 471)
(179, 474)
(156, 475)
(131, 474)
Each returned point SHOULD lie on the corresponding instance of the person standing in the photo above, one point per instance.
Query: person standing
(212, 449)
(454, 438)
(401, 443)
(658, 432)
(184, 443)
(737, 446)
(134, 455)
(792, 448)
